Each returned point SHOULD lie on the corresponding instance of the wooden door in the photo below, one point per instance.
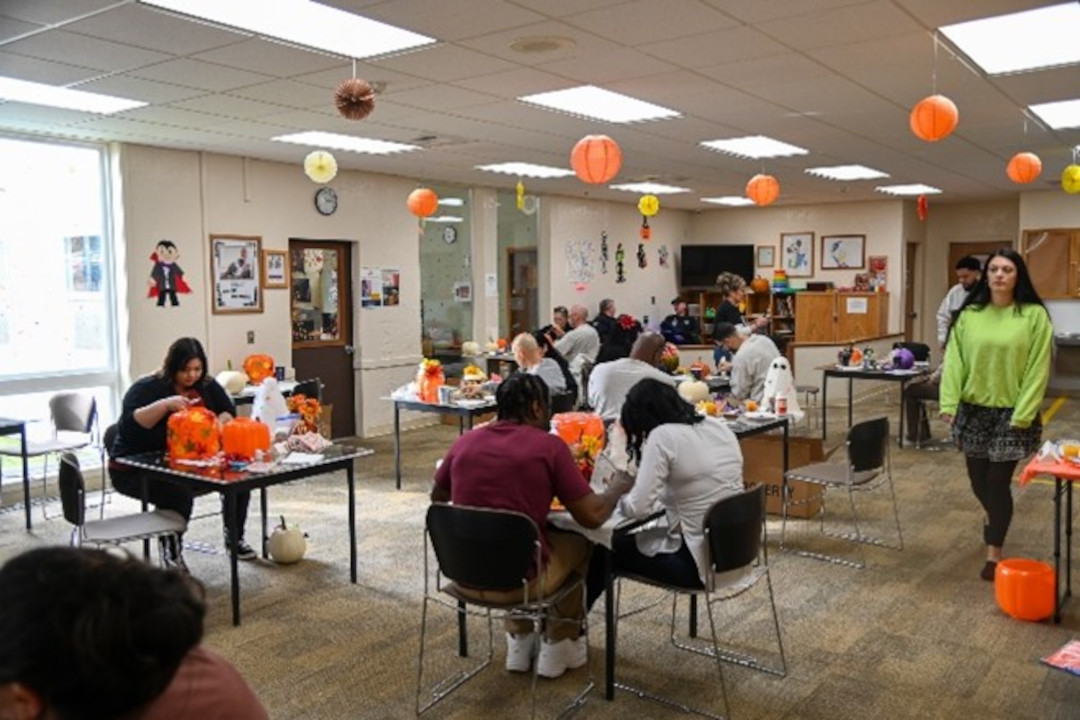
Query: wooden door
(320, 312)
(981, 250)
(815, 317)
(523, 300)
(1047, 253)
(911, 252)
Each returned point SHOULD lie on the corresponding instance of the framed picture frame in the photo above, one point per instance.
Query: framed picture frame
(797, 253)
(766, 256)
(843, 252)
(275, 269)
(235, 274)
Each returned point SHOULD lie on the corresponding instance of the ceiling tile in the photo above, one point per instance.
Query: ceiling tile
(10, 27)
(443, 63)
(229, 106)
(134, 88)
(647, 21)
(601, 67)
(842, 26)
(514, 83)
(165, 115)
(452, 20)
(52, 12)
(202, 75)
(442, 97)
(43, 71)
(715, 48)
(270, 58)
(105, 55)
(143, 26)
(288, 93)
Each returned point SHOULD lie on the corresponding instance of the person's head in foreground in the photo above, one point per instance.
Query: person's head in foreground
(89, 635)
(525, 399)
(650, 404)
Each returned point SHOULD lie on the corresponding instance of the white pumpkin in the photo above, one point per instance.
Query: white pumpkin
(470, 347)
(232, 380)
(287, 545)
(694, 391)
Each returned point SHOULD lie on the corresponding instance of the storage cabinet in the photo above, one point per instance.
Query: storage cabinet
(834, 317)
(1046, 252)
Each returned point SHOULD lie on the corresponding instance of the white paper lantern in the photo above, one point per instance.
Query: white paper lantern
(320, 166)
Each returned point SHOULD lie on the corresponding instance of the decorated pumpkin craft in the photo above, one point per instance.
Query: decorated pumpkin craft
(241, 437)
(694, 391)
(856, 357)
(232, 380)
(258, 367)
(193, 434)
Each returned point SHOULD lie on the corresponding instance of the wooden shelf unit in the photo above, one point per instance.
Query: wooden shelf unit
(756, 304)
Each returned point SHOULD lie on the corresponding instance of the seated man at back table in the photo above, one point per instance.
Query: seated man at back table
(611, 381)
(679, 327)
(750, 364)
(515, 463)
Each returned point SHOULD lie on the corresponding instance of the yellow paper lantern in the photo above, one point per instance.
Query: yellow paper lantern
(320, 166)
(1070, 179)
(648, 205)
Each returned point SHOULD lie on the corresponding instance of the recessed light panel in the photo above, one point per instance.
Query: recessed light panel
(650, 188)
(1029, 40)
(593, 102)
(846, 173)
(524, 169)
(451, 201)
(349, 143)
(729, 200)
(444, 219)
(754, 147)
(59, 97)
(1058, 115)
(913, 189)
(302, 22)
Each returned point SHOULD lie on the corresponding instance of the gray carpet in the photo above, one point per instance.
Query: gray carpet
(915, 635)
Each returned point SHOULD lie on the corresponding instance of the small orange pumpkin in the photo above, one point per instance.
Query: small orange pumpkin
(193, 434)
(759, 285)
(242, 436)
(258, 367)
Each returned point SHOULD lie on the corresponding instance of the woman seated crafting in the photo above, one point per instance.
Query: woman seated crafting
(686, 463)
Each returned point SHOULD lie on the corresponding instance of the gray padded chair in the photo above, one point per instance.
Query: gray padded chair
(116, 530)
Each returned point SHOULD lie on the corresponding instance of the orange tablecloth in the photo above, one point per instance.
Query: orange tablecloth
(1057, 468)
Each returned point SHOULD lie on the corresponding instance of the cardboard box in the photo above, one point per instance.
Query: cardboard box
(325, 412)
(763, 462)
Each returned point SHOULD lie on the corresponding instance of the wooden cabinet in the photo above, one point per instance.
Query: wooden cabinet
(831, 316)
(1046, 253)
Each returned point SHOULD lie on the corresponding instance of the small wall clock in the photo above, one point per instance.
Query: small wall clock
(326, 201)
(449, 234)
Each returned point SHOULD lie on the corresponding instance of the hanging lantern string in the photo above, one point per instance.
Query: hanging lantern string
(354, 68)
(933, 70)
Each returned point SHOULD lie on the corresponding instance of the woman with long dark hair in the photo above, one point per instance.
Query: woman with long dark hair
(997, 364)
(685, 463)
(181, 383)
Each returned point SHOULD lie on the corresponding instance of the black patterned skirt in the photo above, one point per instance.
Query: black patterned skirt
(985, 432)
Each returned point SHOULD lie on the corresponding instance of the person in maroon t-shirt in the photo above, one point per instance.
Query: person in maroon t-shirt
(516, 464)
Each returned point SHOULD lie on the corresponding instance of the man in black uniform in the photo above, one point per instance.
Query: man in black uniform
(680, 328)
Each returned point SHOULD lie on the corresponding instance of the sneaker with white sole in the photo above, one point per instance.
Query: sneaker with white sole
(553, 658)
(577, 653)
(519, 651)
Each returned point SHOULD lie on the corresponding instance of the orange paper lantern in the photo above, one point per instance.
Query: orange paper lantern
(763, 189)
(258, 367)
(1024, 167)
(596, 159)
(242, 436)
(423, 202)
(193, 434)
(934, 117)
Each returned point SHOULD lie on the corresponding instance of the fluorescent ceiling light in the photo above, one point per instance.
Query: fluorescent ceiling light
(61, 97)
(1058, 115)
(444, 219)
(845, 173)
(451, 201)
(302, 22)
(524, 169)
(754, 147)
(913, 189)
(350, 143)
(729, 200)
(650, 188)
(593, 102)
(1029, 40)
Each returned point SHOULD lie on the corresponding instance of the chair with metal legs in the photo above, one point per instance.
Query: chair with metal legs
(867, 468)
(738, 560)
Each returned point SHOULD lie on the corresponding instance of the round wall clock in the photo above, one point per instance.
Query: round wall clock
(326, 201)
(449, 234)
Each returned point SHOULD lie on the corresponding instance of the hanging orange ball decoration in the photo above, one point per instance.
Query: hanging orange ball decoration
(423, 202)
(596, 159)
(934, 117)
(763, 189)
(258, 367)
(1024, 167)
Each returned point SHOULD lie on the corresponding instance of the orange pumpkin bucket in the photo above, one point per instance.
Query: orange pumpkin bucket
(242, 436)
(1025, 589)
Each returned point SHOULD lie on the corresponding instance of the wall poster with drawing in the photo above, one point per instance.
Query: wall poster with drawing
(797, 253)
(235, 274)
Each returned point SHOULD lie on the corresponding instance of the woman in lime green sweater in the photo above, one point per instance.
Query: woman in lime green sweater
(997, 363)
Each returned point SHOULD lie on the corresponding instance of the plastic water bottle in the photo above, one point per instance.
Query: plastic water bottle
(781, 404)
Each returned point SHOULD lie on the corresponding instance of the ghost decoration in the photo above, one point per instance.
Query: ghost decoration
(269, 403)
(779, 381)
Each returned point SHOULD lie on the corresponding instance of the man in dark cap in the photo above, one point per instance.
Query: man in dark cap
(679, 327)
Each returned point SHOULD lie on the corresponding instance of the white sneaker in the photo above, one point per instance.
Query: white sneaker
(577, 652)
(519, 651)
(553, 659)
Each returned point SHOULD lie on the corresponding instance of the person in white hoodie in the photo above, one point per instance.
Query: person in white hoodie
(750, 365)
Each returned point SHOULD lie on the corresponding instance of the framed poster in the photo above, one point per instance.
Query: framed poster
(766, 256)
(235, 274)
(843, 251)
(275, 269)
(797, 254)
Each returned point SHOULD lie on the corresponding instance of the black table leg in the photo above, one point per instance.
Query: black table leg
(234, 538)
(461, 425)
(1058, 489)
(1068, 538)
(462, 630)
(693, 616)
(144, 493)
(350, 478)
(824, 406)
(397, 444)
(850, 399)
(903, 396)
(265, 531)
(26, 477)
(609, 627)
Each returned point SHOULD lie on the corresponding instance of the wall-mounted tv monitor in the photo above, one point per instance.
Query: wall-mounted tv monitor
(700, 264)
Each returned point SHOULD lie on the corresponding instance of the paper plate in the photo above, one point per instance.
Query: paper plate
(1074, 459)
(759, 415)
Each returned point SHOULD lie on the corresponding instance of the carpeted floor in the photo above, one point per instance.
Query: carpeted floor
(915, 635)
